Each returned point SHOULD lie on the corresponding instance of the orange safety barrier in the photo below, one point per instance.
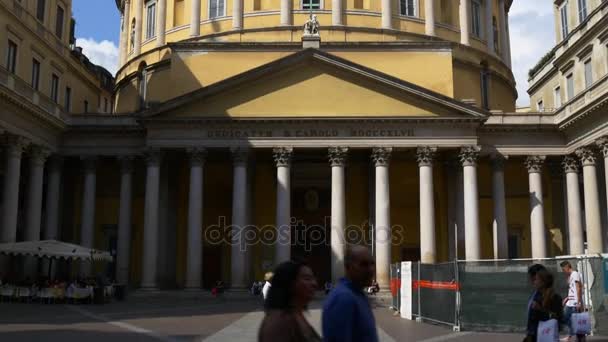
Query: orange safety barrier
(435, 285)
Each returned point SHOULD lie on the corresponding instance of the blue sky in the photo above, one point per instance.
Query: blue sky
(531, 24)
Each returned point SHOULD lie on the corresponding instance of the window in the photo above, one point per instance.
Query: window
(86, 106)
(564, 19)
(311, 4)
(557, 96)
(55, 88)
(59, 23)
(217, 8)
(588, 73)
(485, 91)
(68, 99)
(408, 7)
(476, 18)
(540, 106)
(11, 57)
(40, 10)
(35, 73)
(150, 19)
(582, 10)
(570, 86)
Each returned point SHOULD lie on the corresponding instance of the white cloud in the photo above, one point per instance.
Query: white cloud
(532, 30)
(104, 53)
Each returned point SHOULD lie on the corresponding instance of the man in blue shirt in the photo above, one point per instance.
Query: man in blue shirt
(347, 315)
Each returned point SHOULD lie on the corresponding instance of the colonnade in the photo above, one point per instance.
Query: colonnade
(465, 202)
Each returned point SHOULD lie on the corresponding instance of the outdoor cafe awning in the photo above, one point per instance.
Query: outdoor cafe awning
(54, 250)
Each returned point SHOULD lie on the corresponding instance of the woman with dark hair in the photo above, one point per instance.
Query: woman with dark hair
(545, 305)
(293, 287)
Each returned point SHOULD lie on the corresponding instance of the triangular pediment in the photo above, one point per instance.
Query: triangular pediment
(312, 83)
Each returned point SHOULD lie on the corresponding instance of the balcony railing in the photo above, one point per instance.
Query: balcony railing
(24, 90)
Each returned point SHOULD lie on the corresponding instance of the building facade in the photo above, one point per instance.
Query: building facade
(241, 137)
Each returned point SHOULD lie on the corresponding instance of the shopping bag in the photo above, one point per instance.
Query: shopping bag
(581, 323)
(548, 331)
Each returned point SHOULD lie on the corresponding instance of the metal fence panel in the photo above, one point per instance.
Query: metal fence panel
(396, 285)
(437, 290)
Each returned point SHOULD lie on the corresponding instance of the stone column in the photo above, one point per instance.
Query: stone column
(125, 34)
(387, 14)
(465, 22)
(602, 143)
(286, 12)
(429, 17)
(194, 263)
(125, 221)
(337, 11)
(425, 157)
(239, 218)
(337, 160)
(37, 158)
(593, 221)
(489, 4)
(460, 211)
(534, 164)
(499, 224)
(381, 157)
(151, 226)
(161, 20)
(451, 176)
(282, 157)
(10, 196)
(87, 222)
(502, 30)
(139, 10)
(195, 18)
(468, 157)
(53, 192)
(237, 14)
(575, 217)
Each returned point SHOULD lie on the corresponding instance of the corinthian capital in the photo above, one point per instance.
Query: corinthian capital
(534, 164)
(570, 164)
(469, 155)
(153, 156)
(38, 154)
(602, 143)
(14, 144)
(425, 155)
(381, 156)
(587, 156)
(198, 155)
(282, 156)
(338, 155)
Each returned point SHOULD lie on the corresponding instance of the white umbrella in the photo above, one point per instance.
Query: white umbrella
(53, 249)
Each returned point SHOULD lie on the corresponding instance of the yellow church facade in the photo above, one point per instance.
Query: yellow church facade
(246, 133)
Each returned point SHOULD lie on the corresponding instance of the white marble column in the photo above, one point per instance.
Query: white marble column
(149, 279)
(502, 30)
(37, 159)
(125, 33)
(387, 14)
(534, 164)
(14, 146)
(337, 161)
(194, 264)
(460, 230)
(451, 176)
(429, 17)
(499, 223)
(593, 221)
(237, 14)
(468, 157)
(381, 157)
(489, 7)
(465, 21)
(125, 222)
(602, 143)
(425, 157)
(575, 216)
(87, 222)
(161, 21)
(53, 193)
(282, 157)
(239, 218)
(337, 11)
(286, 13)
(139, 10)
(195, 18)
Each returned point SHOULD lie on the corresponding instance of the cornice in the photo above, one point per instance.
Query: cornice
(38, 114)
(590, 109)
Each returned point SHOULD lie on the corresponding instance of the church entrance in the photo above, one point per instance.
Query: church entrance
(311, 209)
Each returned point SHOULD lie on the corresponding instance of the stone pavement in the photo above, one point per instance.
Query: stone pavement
(187, 317)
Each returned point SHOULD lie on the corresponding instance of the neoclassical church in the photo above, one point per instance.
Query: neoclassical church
(240, 134)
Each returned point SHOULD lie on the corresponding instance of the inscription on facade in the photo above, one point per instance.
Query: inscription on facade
(309, 133)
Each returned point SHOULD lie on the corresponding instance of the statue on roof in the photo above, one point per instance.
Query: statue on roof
(311, 28)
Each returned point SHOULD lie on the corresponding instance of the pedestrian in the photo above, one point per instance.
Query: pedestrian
(573, 302)
(347, 314)
(293, 287)
(267, 285)
(544, 303)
